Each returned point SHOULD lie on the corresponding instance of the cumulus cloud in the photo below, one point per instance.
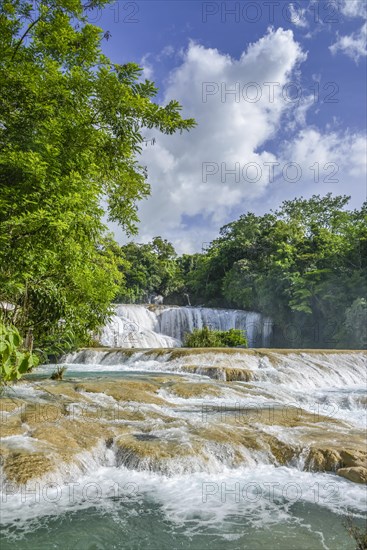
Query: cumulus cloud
(227, 165)
(353, 8)
(239, 105)
(316, 162)
(147, 67)
(331, 161)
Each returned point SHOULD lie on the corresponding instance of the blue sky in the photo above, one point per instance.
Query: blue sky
(294, 125)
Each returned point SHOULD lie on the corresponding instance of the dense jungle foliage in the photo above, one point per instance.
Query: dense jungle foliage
(72, 124)
(304, 265)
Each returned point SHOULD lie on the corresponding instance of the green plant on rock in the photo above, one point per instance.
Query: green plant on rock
(58, 374)
(207, 338)
(233, 338)
(14, 359)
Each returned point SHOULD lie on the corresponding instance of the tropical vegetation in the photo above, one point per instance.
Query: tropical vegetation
(304, 265)
(72, 125)
(209, 338)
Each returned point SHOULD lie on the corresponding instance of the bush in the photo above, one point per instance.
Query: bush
(207, 338)
(14, 359)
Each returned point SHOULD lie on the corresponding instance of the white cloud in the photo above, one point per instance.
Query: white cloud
(353, 45)
(324, 162)
(168, 51)
(189, 209)
(316, 162)
(231, 129)
(354, 8)
(346, 150)
(298, 16)
(147, 67)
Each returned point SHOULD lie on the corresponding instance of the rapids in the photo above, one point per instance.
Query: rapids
(177, 448)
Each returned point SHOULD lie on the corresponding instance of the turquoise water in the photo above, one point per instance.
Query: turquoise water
(113, 507)
(144, 525)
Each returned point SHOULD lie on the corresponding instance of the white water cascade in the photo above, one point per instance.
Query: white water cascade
(232, 444)
(147, 326)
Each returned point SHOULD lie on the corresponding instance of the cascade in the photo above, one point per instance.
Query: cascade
(147, 326)
(185, 435)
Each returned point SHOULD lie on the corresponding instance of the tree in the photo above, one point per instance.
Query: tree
(151, 269)
(72, 124)
(303, 265)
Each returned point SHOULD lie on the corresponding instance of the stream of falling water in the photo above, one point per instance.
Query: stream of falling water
(144, 326)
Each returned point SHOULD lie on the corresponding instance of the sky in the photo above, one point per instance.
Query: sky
(278, 90)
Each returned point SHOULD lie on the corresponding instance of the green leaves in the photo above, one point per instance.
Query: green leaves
(71, 126)
(149, 268)
(14, 361)
(207, 338)
(305, 266)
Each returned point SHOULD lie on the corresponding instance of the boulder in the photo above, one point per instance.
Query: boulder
(357, 474)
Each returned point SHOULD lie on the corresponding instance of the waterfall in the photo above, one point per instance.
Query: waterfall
(147, 326)
(135, 326)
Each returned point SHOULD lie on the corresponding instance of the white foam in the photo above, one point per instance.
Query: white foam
(264, 495)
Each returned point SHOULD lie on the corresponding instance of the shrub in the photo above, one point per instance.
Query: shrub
(233, 337)
(207, 338)
(14, 359)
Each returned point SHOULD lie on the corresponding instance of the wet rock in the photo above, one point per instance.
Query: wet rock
(9, 405)
(357, 474)
(11, 427)
(323, 460)
(351, 458)
(145, 437)
(35, 413)
(228, 374)
(148, 432)
(336, 459)
(233, 375)
(153, 453)
(216, 373)
(282, 452)
(189, 389)
(23, 466)
(124, 390)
